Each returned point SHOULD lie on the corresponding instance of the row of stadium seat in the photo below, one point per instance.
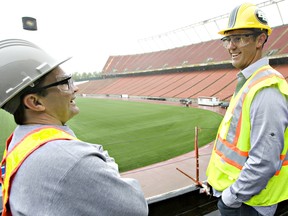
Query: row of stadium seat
(194, 54)
(203, 81)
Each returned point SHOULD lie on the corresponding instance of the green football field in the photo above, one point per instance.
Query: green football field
(136, 134)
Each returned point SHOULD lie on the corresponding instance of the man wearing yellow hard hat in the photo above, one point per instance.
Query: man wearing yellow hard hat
(248, 169)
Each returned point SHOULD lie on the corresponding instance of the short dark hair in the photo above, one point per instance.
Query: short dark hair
(258, 31)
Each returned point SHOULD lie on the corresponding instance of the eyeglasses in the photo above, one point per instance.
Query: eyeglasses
(64, 85)
(239, 40)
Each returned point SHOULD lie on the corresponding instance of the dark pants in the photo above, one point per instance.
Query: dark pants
(243, 210)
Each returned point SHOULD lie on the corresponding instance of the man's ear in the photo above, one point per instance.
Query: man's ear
(261, 40)
(33, 102)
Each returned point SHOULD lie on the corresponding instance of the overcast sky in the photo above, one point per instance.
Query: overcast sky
(92, 30)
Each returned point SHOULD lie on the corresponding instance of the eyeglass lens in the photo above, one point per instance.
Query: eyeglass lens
(237, 40)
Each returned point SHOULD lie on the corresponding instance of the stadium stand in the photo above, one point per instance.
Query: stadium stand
(201, 69)
(191, 71)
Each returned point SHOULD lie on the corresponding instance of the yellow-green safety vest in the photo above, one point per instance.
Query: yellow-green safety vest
(13, 159)
(232, 143)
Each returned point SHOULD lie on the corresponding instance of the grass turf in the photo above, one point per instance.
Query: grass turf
(136, 134)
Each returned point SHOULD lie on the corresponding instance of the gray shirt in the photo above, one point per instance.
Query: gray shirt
(69, 177)
(269, 120)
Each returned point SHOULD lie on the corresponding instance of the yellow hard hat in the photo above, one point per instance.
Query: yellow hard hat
(247, 16)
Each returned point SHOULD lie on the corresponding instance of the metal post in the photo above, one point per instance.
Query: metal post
(196, 153)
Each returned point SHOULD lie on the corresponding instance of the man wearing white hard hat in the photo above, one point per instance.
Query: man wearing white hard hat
(48, 171)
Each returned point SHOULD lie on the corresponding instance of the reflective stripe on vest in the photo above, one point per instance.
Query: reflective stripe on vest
(13, 159)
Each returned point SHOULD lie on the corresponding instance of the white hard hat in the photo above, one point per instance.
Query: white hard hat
(21, 63)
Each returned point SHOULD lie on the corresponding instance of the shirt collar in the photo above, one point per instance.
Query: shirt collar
(247, 72)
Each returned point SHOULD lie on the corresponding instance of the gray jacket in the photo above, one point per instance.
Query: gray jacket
(68, 177)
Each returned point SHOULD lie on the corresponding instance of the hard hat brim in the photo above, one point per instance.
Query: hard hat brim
(223, 32)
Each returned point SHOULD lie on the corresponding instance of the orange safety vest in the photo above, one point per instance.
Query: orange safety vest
(12, 160)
